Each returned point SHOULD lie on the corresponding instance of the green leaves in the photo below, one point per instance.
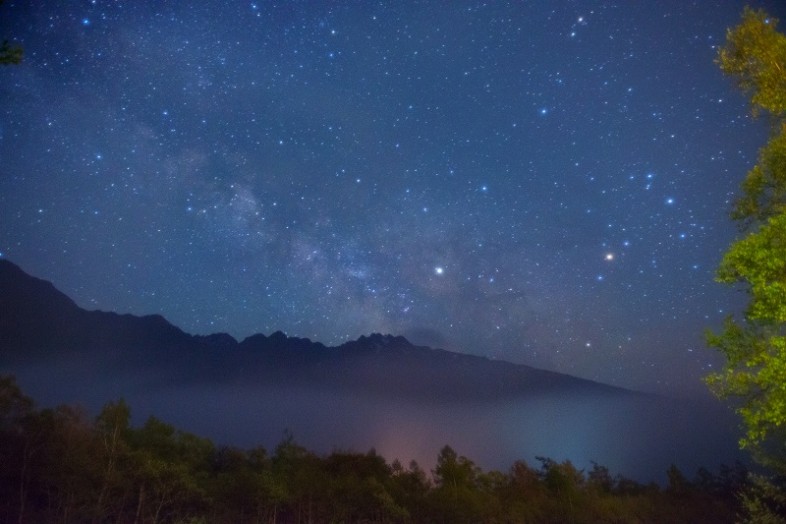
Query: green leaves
(755, 55)
(764, 188)
(759, 262)
(10, 54)
(57, 466)
(755, 349)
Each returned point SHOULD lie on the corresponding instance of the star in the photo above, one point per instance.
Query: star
(258, 176)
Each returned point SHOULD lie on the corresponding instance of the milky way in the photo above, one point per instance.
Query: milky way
(542, 182)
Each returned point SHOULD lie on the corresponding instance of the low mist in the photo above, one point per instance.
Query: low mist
(637, 436)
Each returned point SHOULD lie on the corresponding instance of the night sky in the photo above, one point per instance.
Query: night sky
(541, 182)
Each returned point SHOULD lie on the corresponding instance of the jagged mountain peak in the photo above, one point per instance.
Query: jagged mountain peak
(38, 321)
(377, 342)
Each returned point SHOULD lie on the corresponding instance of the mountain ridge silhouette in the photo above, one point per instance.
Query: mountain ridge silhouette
(38, 321)
(378, 391)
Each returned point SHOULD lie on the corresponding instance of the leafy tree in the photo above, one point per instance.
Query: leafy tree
(763, 501)
(55, 466)
(359, 486)
(754, 56)
(565, 483)
(297, 477)
(9, 54)
(454, 471)
(525, 494)
(16, 448)
(678, 484)
(112, 428)
(14, 405)
(409, 486)
(456, 497)
(240, 485)
(599, 479)
(755, 346)
(67, 472)
(170, 467)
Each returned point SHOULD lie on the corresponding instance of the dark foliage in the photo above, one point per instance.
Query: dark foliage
(59, 466)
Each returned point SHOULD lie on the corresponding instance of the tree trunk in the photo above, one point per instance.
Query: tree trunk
(22, 481)
(139, 504)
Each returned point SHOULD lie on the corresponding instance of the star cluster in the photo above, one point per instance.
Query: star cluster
(546, 183)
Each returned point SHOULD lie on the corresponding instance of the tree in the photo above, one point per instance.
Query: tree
(599, 478)
(67, 472)
(525, 496)
(14, 405)
(297, 479)
(359, 486)
(241, 485)
(9, 54)
(565, 483)
(410, 486)
(112, 427)
(456, 497)
(755, 345)
(16, 448)
(678, 484)
(168, 465)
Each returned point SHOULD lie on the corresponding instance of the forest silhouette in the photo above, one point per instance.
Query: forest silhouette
(59, 465)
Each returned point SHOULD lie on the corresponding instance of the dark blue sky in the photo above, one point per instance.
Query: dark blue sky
(542, 182)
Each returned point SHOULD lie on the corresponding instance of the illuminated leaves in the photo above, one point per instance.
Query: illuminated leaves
(764, 188)
(759, 260)
(756, 372)
(755, 350)
(755, 55)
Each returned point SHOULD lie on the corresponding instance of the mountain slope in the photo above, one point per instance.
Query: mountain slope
(38, 321)
(378, 391)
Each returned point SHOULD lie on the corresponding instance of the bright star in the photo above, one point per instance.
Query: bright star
(439, 270)
(609, 256)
